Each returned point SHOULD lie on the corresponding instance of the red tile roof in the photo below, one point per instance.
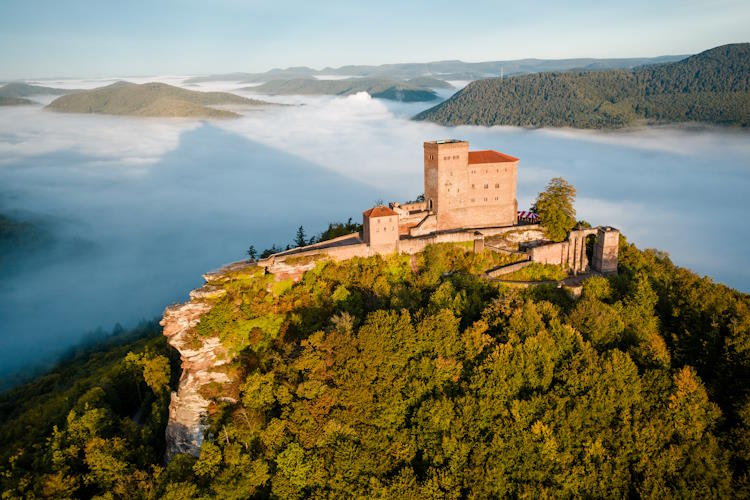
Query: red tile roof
(379, 211)
(489, 156)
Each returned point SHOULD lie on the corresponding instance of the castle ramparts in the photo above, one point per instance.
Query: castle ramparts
(468, 196)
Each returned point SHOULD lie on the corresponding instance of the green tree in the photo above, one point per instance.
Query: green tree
(252, 252)
(300, 239)
(555, 208)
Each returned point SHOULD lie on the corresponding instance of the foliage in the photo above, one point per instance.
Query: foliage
(300, 239)
(385, 383)
(92, 426)
(252, 252)
(713, 87)
(554, 205)
(367, 379)
(537, 272)
(149, 99)
(336, 229)
(270, 251)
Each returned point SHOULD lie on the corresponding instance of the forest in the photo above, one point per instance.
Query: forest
(367, 379)
(710, 87)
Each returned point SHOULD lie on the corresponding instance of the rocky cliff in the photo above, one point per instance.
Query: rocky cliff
(201, 359)
(204, 359)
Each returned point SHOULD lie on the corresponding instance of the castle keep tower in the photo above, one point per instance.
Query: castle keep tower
(469, 189)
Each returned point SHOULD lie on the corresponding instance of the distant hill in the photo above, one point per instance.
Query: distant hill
(20, 89)
(150, 99)
(381, 88)
(15, 93)
(430, 82)
(710, 87)
(442, 70)
(14, 101)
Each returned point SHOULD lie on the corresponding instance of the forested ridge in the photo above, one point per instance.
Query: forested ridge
(710, 87)
(367, 379)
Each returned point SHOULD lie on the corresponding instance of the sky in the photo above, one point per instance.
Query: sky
(101, 38)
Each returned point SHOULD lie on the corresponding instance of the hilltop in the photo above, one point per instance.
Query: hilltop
(429, 82)
(376, 87)
(15, 93)
(150, 99)
(710, 87)
(388, 377)
(20, 89)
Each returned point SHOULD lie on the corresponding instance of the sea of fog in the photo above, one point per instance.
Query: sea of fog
(137, 209)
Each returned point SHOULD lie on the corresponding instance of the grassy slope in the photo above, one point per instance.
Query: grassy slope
(712, 87)
(149, 99)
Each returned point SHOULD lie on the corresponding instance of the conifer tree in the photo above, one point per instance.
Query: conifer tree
(301, 239)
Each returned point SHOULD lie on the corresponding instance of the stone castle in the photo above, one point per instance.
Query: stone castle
(469, 196)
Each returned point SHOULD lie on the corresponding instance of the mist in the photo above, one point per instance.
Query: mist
(137, 209)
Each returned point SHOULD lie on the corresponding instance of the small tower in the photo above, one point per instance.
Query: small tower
(606, 250)
(380, 229)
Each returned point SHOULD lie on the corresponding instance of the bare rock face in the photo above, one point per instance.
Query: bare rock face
(200, 357)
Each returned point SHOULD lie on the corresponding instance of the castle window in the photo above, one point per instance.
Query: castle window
(472, 200)
(472, 186)
(486, 186)
(495, 198)
(497, 186)
(485, 199)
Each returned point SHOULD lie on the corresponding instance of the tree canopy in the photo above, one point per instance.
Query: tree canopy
(554, 205)
(712, 87)
(368, 379)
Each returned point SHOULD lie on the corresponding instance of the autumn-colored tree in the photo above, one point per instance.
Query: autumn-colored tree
(368, 379)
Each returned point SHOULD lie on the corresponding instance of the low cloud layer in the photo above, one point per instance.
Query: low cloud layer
(141, 207)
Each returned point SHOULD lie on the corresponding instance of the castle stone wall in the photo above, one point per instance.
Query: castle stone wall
(552, 253)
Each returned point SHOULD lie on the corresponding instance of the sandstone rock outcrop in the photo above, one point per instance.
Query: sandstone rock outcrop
(200, 358)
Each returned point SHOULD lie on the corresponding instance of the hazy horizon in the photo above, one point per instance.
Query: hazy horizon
(86, 38)
(150, 77)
